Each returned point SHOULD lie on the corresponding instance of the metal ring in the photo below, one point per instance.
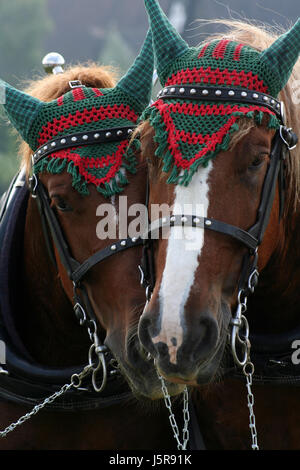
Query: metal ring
(244, 344)
(104, 374)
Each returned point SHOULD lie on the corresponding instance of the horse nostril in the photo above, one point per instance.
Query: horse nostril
(145, 335)
(207, 336)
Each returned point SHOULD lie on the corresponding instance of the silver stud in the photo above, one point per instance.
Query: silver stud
(265, 98)
(208, 222)
(172, 90)
(63, 141)
(123, 242)
(255, 95)
(134, 239)
(113, 247)
(85, 137)
(278, 105)
(108, 134)
(39, 152)
(231, 93)
(96, 136)
(130, 131)
(196, 220)
(218, 92)
(181, 90)
(165, 90)
(244, 94)
(74, 139)
(173, 218)
(204, 92)
(53, 144)
(272, 101)
(193, 91)
(183, 219)
(45, 148)
(119, 132)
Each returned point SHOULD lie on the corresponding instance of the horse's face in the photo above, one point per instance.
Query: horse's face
(112, 285)
(185, 324)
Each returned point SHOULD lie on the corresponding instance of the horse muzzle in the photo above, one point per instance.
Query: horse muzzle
(189, 358)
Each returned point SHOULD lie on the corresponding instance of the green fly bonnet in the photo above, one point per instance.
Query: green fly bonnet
(86, 130)
(207, 89)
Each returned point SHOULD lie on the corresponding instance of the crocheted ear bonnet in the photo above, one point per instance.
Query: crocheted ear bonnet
(87, 111)
(190, 131)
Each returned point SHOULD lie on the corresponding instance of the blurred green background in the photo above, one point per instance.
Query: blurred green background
(108, 31)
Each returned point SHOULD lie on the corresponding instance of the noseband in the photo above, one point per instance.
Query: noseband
(77, 271)
(284, 140)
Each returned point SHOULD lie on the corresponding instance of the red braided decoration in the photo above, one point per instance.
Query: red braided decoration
(218, 77)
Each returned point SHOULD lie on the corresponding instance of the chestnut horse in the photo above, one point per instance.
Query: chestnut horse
(45, 341)
(189, 320)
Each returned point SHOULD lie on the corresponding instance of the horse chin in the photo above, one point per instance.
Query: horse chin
(140, 372)
(208, 372)
(144, 382)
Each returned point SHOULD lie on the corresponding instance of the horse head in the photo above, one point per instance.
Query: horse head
(211, 141)
(77, 126)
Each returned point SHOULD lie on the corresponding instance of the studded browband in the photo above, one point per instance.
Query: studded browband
(101, 136)
(240, 95)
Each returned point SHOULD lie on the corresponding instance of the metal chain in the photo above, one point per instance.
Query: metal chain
(75, 382)
(186, 415)
(238, 322)
(36, 409)
(250, 399)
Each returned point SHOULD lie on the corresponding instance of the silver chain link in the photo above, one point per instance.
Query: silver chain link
(186, 415)
(36, 409)
(250, 398)
(75, 382)
(239, 322)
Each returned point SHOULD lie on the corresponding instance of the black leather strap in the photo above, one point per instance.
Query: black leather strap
(101, 136)
(103, 254)
(201, 222)
(232, 94)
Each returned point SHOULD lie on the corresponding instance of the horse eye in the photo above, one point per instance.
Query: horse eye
(257, 162)
(61, 204)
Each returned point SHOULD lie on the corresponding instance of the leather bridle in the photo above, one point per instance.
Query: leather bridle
(284, 140)
(77, 271)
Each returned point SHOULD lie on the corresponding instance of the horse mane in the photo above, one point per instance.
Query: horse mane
(50, 87)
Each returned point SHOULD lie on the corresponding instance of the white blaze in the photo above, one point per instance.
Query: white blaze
(184, 247)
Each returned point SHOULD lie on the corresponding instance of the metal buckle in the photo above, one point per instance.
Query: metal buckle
(33, 182)
(282, 112)
(75, 84)
(284, 140)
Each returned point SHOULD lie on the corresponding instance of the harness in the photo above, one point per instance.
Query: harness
(21, 380)
(284, 140)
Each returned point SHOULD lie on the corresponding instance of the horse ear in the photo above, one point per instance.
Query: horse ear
(282, 55)
(167, 42)
(20, 108)
(138, 80)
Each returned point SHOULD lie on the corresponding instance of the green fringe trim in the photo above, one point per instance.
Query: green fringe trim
(115, 186)
(183, 177)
